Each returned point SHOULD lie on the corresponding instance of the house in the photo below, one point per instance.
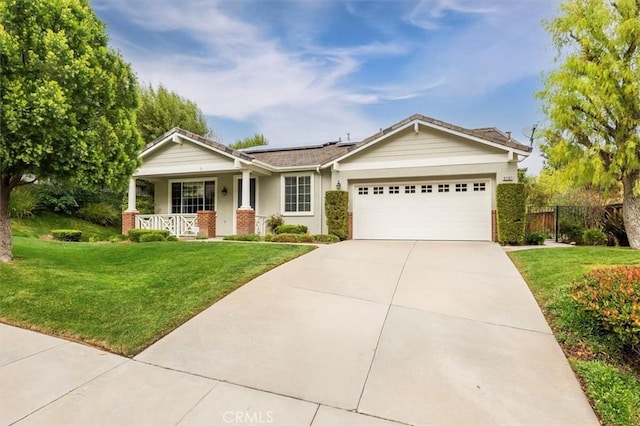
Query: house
(421, 178)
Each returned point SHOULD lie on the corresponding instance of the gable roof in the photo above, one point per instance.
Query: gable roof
(314, 155)
(486, 135)
(217, 146)
(489, 134)
(325, 154)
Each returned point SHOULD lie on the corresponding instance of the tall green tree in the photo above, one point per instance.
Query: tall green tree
(68, 102)
(257, 139)
(161, 110)
(592, 100)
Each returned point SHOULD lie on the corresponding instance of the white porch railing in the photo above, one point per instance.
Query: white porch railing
(261, 225)
(179, 225)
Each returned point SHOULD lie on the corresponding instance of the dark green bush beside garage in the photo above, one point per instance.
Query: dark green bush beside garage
(511, 213)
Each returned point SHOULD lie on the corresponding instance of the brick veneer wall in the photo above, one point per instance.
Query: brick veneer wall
(245, 221)
(128, 221)
(206, 223)
(350, 227)
(494, 227)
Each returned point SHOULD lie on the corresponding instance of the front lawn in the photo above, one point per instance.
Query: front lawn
(40, 225)
(123, 297)
(610, 372)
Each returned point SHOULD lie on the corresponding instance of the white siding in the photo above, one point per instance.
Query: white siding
(428, 143)
(186, 157)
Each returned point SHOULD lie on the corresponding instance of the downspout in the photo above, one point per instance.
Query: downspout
(321, 199)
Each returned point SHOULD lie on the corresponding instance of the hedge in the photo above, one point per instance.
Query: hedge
(336, 208)
(291, 229)
(247, 237)
(135, 234)
(66, 234)
(511, 213)
(151, 237)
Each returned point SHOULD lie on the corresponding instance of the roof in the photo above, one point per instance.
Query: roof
(319, 155)
(490, 134)
(301, 156)
(213, 144)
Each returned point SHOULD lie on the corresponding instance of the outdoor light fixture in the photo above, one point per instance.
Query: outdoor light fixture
(338, 186)
(224, 190)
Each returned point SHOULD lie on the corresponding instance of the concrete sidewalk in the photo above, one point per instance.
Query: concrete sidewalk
(361, 332)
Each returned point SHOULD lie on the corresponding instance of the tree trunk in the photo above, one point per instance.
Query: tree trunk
(6, 242)
(631, 210)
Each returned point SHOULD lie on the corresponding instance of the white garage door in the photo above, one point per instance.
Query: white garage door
(442, 210)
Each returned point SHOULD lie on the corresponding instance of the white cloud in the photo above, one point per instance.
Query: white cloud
(428, 14)
(246, 74)
(296, 90)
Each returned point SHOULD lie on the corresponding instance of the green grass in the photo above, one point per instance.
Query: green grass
(609, 372)
(125, 296)
(34, 227)
(616, 395)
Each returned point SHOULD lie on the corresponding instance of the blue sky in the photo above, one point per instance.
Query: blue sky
(309, 71)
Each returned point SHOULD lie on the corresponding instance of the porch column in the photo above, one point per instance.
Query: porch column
(129, 215)
(246, 190)
(131, 205)
(245, 215)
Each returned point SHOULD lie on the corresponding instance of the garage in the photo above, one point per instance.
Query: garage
(423, 210)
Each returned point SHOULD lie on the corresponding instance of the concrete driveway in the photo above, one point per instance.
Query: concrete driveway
(361, 332)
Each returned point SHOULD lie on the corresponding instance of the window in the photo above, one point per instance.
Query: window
(443, 187)
(363, 191)
(394, 190)
(481, 186)
(297, 194)
(461, 187)
(427, 189)
(377, 190)
(410, 189)
(191, 196)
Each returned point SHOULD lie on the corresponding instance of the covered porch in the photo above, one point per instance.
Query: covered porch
(204, 207)
(201, 189)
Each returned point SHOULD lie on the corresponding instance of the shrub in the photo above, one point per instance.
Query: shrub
(570, 232)
(152, 236)
(336, 207)
(172, 238)
(536, 238)
(99, 213)
(66, 234)
(291, 229)
(135, 234)
(274, 221)
(285, 238)
(305, 238)
(23, 202)
(248, 237)
(268, 237)
(511, 213)
(612, 296)
(594, 237)
(325, 238)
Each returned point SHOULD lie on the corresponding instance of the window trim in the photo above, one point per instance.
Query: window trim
(196, 179)
(311, 211)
